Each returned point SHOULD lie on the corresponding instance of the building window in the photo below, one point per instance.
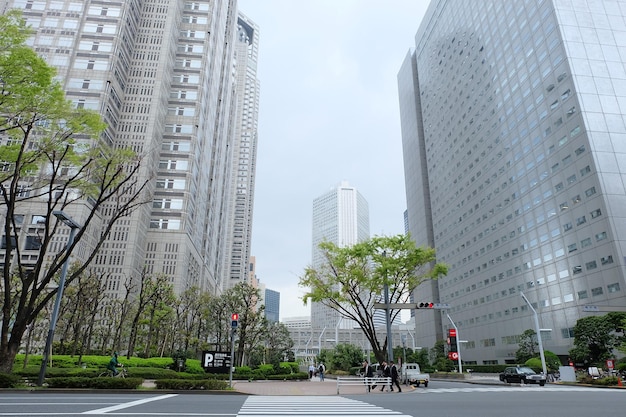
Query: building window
(597, 291)
(606, 260)
(581, 220)
(613, 287)
(600, 236)
(582, 295)
(591, 265)
(577, 269)
(585, 170)
(591, 191)
(567, 333)
(572, 248)
(596, 213)
(585, 242)
(32, 243)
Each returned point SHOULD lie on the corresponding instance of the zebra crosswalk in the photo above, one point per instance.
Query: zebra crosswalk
(312, 406)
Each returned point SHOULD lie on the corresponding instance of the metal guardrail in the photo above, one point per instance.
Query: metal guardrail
(361, 381)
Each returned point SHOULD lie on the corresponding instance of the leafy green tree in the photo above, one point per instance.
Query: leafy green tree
(277, 341)
(594, 339)
(52, 158)
(344, 356)
(528, 346)
(243, 299)
(439, 358)
(353, 278)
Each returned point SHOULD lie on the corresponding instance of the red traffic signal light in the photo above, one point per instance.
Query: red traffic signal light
(426, 305)
(234, 316)
(234, 320)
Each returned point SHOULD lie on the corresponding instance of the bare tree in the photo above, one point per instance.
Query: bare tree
(53, 160)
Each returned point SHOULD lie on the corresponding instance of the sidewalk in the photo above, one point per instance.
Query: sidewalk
(306, 387)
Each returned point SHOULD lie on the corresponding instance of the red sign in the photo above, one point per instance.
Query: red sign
(452, 332)
(609, 364)
(453, 356)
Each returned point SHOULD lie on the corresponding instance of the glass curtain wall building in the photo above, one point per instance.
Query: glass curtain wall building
(514, 141)
(340, 216)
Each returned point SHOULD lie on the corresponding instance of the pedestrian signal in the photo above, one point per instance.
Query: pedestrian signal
(234, 319)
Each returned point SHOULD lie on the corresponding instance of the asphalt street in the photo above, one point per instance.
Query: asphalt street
(441, 399)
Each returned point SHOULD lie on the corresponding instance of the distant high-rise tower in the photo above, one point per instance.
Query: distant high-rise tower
(513, 129)
(176, 82)
(272, 305)
(340, 216)
(244, 149)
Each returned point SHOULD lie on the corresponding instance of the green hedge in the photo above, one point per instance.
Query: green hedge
(299, 375)
(97, 383)
(9, 380)
(191, 384)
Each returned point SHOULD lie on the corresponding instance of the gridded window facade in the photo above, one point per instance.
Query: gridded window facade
(508, 104)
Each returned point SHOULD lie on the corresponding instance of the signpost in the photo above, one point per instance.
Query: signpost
(216, 362)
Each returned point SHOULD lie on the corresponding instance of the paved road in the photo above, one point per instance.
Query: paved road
(441, 399)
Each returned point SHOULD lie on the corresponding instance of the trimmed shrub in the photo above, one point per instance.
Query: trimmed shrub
(97, 383)
(298, 375)
(9, 380)
(191, 384)
(116, 383)
(33, 372)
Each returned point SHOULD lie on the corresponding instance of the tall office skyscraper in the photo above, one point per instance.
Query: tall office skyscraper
(174, 81)
(513, 128)
(340, 216)
(243, 146)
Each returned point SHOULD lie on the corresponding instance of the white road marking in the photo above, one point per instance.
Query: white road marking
(127, 405)
(325, 406)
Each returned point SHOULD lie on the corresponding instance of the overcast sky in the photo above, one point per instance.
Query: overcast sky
(329, 112)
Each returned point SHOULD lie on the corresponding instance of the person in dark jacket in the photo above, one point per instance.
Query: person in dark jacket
(386, 374)
(368, 373)
(394, 377)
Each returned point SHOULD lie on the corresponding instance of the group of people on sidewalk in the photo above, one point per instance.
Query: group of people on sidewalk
(318, 370)
(387, 372)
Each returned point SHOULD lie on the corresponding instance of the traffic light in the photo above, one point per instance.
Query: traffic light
(425, 305)
(234, 319)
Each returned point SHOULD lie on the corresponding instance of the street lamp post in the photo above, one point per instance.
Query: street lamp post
(61, 216)
(541, 354)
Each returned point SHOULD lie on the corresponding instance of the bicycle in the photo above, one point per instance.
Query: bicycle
(123, 373)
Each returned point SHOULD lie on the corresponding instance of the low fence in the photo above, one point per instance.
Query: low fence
(366, 383)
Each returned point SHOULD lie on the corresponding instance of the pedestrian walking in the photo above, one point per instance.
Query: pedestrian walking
(368, 373)
(311, 371)
(394, 377)
(321, 369)
(386, 372)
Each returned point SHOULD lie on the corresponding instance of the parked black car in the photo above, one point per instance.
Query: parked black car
(522, 374)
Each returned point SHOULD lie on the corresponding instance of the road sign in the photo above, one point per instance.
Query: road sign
(442, 306)
(453, 356)
(216, 362)
(591, 308)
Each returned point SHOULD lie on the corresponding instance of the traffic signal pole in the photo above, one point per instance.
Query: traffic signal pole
(233, 329)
